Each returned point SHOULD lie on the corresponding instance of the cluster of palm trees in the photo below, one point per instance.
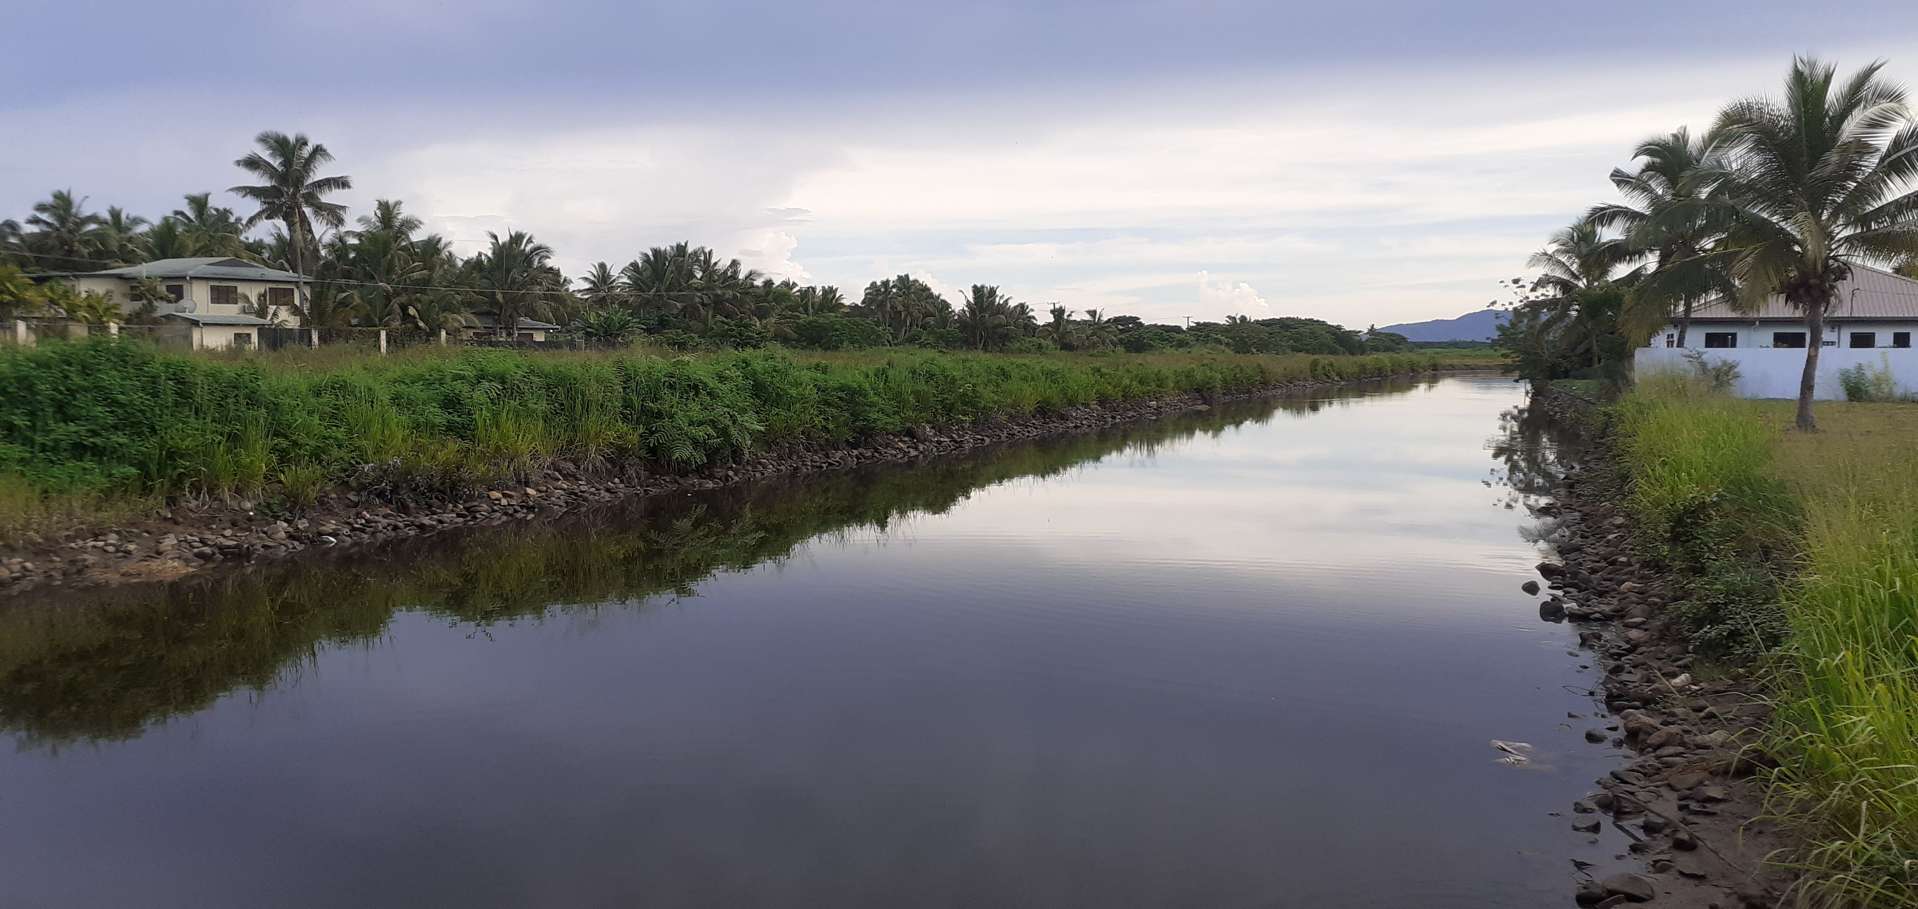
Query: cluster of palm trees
(1779, 198)
(383, 270)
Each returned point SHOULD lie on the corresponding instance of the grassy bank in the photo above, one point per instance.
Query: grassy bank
(89, 427)
(1803, 552)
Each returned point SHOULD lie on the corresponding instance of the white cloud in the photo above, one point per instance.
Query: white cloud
(1221, 298)
(771, 252)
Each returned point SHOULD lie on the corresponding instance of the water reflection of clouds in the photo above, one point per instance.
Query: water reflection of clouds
(1386, 491)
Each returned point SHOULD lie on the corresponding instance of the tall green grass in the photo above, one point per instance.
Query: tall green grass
(1828, 523)
(117, 418)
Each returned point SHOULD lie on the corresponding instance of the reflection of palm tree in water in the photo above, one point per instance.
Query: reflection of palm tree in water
(1532, 449)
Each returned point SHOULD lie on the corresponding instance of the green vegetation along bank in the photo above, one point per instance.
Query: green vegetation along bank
(105, 431)
(1800, 555)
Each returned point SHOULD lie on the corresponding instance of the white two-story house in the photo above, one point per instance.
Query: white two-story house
(221, 300)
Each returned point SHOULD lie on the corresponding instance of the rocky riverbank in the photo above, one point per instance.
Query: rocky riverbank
(1688, 799)
(192, 537)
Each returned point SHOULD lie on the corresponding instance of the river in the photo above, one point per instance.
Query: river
(1248, 657)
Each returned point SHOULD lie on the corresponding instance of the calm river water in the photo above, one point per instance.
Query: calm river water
(1249, 657)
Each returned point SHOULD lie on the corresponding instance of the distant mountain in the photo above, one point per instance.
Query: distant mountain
(1473, 326)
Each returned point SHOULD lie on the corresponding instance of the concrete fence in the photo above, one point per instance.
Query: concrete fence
(1774, 372)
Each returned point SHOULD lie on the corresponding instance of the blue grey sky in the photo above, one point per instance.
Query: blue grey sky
(1363, 162)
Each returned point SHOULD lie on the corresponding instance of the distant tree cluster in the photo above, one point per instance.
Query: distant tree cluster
(382, 270)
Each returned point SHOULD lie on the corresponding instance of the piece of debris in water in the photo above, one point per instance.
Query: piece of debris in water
(1517, 754)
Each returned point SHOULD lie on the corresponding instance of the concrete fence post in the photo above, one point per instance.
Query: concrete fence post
(382, 342)
(313, 338)
(113, 329)
(442, 337)
(21, 336)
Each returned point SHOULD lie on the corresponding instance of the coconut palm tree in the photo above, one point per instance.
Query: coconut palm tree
(389, 218)
(514, 276)
(1659, 217)
(62, 233)
(600, 287)
(291, 192)
(989, 320)
(1059, 329)
(1819, 180)
(328, 306)
(659, 281)
(208, 229)
(1578, 260)
(120, 237)
(19, 295)
(821, 301)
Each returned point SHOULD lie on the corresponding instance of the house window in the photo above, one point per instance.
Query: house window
(224, 295)
(1864, 339)
(1671, 340)
(279, 296)
(1716, 339)
(176, 291)
(1794, 339)
(1901, 339)
(243, 340)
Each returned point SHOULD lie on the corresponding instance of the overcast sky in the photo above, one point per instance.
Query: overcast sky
(1363, 162)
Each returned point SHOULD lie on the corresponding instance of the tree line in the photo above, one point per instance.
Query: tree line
(1780, 197)
(383, 270)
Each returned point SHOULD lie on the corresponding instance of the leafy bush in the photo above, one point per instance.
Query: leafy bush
(1719, 376)
(837, 333)
(105, 417)
(607, 325)
(1865, 383)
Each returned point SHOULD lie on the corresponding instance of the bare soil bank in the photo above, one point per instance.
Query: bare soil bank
(1690, 798)
(188, 538)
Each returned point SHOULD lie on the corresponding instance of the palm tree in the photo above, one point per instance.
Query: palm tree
(1096, 333)
(120, 238)
(328, 306)
(1818, 181)
(208, 229)
(512, 276)
(290, 190)
(1577, 260)
(1059, 330)
(600, 286)
(64, 234)
(659, 280)
(1660, 217)
(19, 295)
(989, 319)
(389, 218)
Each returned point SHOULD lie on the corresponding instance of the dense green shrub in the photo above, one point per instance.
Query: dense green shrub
(837, 333)
(111, 416)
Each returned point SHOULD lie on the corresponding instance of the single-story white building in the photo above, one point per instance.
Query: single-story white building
(1870, 326)
(1874, 309)
(484, 323)
(220, 297)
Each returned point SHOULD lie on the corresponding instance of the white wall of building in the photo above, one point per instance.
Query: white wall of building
(1774, 372)
(1760, 334)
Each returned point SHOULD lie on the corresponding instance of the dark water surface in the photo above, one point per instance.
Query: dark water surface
(1251, 657)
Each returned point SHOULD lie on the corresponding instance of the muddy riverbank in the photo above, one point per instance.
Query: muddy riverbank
(1689, 797)
(189, 537)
